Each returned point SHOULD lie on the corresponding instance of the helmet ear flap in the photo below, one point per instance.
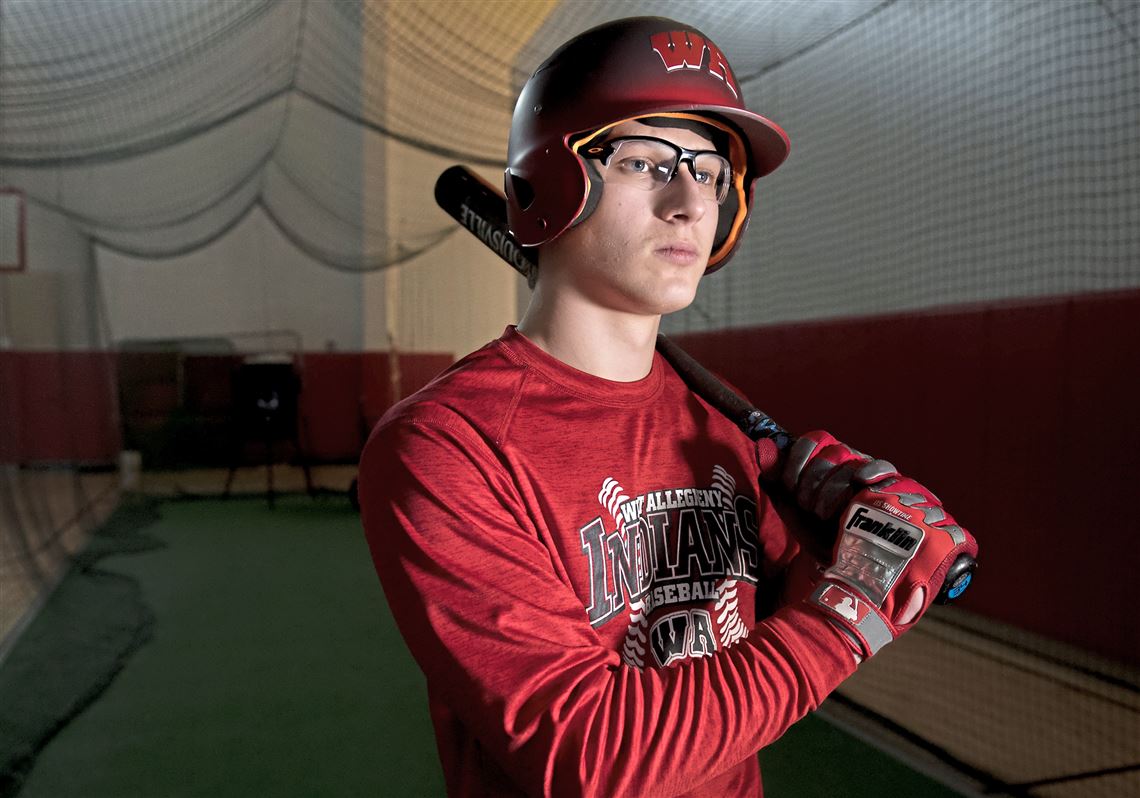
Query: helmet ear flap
(519, 188)
(726, 221)
(593, 193)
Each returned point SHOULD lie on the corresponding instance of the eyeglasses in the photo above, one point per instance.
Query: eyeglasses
(650, 163)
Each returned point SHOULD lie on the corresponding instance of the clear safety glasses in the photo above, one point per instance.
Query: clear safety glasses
(650, 163)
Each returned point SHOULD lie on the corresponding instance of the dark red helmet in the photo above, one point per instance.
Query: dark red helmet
(629, 68)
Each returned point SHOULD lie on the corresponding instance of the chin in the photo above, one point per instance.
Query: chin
(682, 294)
(675, 301)
(657, 293)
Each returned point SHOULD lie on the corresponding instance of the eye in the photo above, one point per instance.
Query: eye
(637, 165)
(705, 177)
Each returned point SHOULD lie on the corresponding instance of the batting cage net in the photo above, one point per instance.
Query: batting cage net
(943, 153)
(185, 170)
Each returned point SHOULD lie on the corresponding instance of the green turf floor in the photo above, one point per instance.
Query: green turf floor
(273, 668)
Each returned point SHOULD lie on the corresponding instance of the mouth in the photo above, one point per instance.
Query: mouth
(678, 252)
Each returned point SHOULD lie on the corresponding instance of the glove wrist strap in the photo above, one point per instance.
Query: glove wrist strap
(854, 613)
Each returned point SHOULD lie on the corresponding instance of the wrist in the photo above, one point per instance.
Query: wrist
(861, 623)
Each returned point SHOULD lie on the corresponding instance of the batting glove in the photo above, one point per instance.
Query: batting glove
(896, 544)
(822, 475)
(895, 550)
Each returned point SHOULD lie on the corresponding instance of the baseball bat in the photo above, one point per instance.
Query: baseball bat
(479, 207)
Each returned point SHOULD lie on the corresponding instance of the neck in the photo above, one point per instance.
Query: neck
(600, 341)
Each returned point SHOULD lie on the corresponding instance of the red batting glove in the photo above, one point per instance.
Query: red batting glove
(895, 545)
(822, 474)
(895, 548)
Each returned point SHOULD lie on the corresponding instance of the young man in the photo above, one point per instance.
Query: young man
(604, 598)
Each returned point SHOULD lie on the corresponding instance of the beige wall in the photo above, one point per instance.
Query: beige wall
(457, 295)
(51, 304)
(453, 298)
(250, 280)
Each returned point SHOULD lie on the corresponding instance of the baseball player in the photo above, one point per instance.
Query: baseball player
(610, 590)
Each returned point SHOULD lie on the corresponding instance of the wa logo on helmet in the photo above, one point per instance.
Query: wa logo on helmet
(686, 50)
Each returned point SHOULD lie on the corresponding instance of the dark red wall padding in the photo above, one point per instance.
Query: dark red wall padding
(58, 407)
(1022, 417)
(63, 407)
(344, 395)
(330, 411)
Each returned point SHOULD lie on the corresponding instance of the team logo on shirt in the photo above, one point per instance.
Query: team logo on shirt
(674, 547)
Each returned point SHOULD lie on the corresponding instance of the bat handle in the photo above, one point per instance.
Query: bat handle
(957, 579)
(759, 426)
(753, 422)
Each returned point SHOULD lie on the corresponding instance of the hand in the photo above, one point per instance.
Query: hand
(822, 475)
(896, 545)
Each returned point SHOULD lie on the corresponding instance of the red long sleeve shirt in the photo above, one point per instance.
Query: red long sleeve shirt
(574, 564)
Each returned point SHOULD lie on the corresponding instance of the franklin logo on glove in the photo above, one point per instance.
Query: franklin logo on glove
(864, 518)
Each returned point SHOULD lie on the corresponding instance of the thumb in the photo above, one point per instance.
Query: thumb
(913, 607)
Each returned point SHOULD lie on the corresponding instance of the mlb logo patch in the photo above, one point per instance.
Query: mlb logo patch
(843, 603)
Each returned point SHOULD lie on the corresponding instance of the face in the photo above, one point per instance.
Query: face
(640, 252)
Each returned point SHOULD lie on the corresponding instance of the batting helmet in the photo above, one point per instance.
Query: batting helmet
(629, 68)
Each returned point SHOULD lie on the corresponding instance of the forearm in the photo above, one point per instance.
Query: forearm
(562, 716)
(677, 727)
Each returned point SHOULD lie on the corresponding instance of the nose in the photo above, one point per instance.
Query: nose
(681, 199)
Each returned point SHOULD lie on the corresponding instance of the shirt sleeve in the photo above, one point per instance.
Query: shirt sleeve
(504, 640)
